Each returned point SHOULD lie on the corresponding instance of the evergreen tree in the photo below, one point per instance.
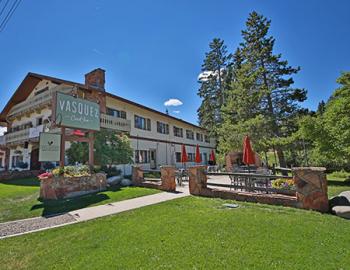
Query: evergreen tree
(213, 85)
(272, 85)
(321, 107)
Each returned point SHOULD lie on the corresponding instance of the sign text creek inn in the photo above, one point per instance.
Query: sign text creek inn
(156, 137)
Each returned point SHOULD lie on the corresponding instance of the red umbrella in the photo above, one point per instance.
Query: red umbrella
(198, 158)
(212, 156)
(248, 154)
(184, 157)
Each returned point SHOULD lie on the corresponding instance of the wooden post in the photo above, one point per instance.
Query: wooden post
(63, 144)
(91, 148)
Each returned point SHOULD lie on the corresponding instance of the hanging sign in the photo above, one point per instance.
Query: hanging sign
(78, 113)
(49, 147)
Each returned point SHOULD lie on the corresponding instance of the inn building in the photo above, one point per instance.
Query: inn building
(156, 137)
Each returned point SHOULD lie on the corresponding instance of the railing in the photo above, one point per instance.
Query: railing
(37, 101)
(17, 136)
(252, 182)
(115, 123)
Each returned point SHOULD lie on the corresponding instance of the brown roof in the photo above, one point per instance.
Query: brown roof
(32, 79)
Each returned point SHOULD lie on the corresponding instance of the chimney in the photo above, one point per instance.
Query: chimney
(96, 79)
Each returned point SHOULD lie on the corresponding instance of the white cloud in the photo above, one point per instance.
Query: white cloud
(173, 102)
(177, 112)
(2, 130)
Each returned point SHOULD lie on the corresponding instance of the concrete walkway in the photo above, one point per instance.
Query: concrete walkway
(118, 207)
(24, 226)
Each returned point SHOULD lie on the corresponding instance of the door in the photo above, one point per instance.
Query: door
(34, 159)
(153, 158)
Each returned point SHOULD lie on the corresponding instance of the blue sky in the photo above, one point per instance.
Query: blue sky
(153, 50)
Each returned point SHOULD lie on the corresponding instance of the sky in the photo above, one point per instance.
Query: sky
(152, 51)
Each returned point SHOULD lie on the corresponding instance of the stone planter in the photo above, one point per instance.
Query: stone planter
(61, 187)
(286, 192)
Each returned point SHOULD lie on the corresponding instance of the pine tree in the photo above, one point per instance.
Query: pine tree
(213, 85)
(279, 102)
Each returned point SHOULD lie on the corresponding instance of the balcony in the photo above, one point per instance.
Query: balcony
(115, 123)
(17, 136)
(36, 103)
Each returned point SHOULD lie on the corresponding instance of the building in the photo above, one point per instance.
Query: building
(156, 137)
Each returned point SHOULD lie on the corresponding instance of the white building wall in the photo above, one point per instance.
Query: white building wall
(165, 145)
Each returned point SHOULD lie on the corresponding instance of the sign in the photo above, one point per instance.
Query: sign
(49, 147)
(76, 112)
(34, 132)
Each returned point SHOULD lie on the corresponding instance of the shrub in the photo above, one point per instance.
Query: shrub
(76, 171)
(48, 166)
(22, 165)
(111, 171)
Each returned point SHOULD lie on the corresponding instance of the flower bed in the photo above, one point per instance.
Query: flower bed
(70, 181)
(284, 186)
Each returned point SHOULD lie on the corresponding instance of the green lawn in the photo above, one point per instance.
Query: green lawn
(189, 233)
(19, 199)
(337, 182)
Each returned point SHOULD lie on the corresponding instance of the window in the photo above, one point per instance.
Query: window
(191, 157)
(178, 156)
(178, 132)
(116, 113)
(142, 123)
(162, 128)
(205, 158)
(189, 134)
(199, 137)
(39, 121)
(41, 91)
(16, 160)
(206, 139)
(141, 156)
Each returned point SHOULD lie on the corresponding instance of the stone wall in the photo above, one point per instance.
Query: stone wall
(311, 188)
(68, 187)
(8, 175)
(167, 179)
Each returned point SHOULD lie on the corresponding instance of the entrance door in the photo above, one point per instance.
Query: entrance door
(153, 158)
(34, 159)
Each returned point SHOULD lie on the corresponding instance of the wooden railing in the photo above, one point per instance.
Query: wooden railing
(17, 136)
(36, 102)
(115, 123)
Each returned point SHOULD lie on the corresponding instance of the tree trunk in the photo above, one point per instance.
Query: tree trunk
(281, 160)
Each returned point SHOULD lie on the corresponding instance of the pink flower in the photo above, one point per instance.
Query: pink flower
(44, 175)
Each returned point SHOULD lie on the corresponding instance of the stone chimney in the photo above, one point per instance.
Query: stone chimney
(96, 79)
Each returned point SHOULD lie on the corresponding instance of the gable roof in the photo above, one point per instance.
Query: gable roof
(32, 79)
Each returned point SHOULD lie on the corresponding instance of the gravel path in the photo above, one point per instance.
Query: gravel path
(32, 224)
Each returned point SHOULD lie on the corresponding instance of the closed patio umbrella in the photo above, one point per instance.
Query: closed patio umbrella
(184, 157)
(198, 158)
(248, 154)
(212, 157)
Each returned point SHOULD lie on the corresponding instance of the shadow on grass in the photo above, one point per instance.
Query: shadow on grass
(53, 207)
(29, 182)
(339, 183)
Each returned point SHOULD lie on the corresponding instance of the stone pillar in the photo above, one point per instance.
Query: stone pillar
(168, 178)
(311, 188)
(198, 181)
(137, 176)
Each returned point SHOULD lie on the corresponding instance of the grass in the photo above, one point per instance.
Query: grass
(337, 182)
(19, 199)
(189, 233)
